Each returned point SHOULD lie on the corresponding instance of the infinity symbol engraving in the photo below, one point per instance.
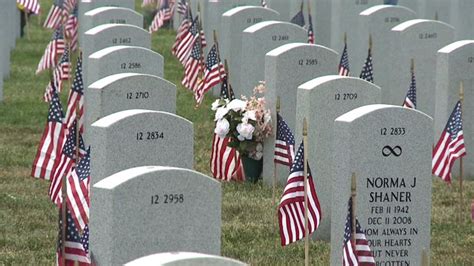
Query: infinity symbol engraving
(396, 151)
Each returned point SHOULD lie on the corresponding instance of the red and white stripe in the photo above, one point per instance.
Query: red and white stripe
(225, 161)
(71, 31)
(32, 6)
(211, 78)
(284, 153)
(191, 73)
(291, 209)
(185, 46)
(78, 200)
(364, 255)
(49, 150)
(49, 59)
(74, 251)
(74, 100)
(55, 17)
(447, 150)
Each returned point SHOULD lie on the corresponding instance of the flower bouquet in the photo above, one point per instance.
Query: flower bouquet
(246, 122)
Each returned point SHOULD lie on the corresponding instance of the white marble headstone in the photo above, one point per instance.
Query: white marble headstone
(455, 63)
(321, 101)
(286, 68)
(389, 150)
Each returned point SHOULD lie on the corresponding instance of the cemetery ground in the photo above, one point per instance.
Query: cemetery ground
(28, 219)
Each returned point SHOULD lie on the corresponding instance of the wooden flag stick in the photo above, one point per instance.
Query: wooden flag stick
(309, 7)
(436, 16)
(274, 164)
(353, 199)
(412, 67)
(27, 24)
(64, 223)
(345, 38)
(302, 5)
(305, 183)
(425, 258)
(370, 42)
(461, 170)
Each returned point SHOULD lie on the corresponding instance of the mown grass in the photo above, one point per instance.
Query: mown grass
(28, 220)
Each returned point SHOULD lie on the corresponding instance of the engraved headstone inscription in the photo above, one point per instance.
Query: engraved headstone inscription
(108, 14)
(257, 40)
(455, 64)
(123, 59)
(377, 21)
(233, 22)
(126, 91)
(137, 138)
(153, 209)
(287, 67)
(86, 5)
(321, 101)
(389, 150)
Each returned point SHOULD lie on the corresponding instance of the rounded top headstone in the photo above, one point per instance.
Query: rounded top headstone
(381, 8)
(290, 46)
(373, 108)
(331, 78)
(239, 9)
(455, 46)
(107, 26)
(114, 118)
(99, 10)
(264, 24)
(407, 25)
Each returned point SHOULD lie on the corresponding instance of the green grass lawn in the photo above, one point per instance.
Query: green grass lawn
(28, 219)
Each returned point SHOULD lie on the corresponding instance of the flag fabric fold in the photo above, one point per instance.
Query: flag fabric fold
(54, 48)
(284, 143)
(450, 145)
(76, 246)
(75, 103)
(410, 99)
(344, 63)
(52, 141)
(367, 72)
(291, 212)
(225, 162)
(213, 74)
(357, 253)
(78, 187)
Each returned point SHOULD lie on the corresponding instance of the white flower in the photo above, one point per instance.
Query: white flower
(240, 138)
(258, 155)
(245, 130)
(259, 147)
(220, 113)
(237, 105)
(267, 118)
(215, 105)
(222, 128)
(249, 115)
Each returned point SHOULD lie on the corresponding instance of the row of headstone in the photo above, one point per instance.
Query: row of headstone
(9, 32)
(142, 152)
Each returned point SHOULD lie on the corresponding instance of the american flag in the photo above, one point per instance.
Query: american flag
(76, 99)
(344, 63)
(310, 30)
(212, 74)
(450, 145)
(52, 141)
(32, 6)
(72, 28)
(182, 29)
(65, 164)
(367, 72)
(50, 89)
(162, 15)
(284, 143)
(76, 245)
(193, 67)
(357, 253)
(148, 3)
(203, 38)
(55, 47)
(410, 99)
(291, 210)
(225, 161)
(78, 200)
(182, 7)
(185, 46)
(62, 70)
(298, 19)
(57, 15)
